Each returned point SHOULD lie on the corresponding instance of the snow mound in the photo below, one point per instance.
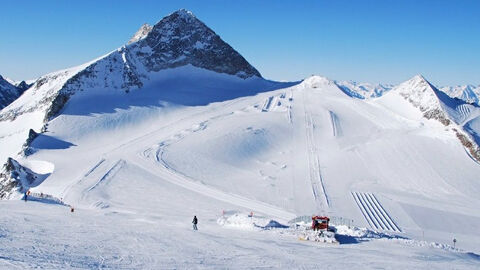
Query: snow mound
(316, 81)
(38, 166)
(246, 221)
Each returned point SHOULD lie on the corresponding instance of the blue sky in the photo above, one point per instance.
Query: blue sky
(369, 41)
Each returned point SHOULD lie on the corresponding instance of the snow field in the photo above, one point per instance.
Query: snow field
(139, 174)
(89, 239)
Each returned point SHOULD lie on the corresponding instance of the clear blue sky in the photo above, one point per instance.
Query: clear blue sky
(373, 41)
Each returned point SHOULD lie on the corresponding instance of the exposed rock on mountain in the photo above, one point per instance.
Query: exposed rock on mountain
(14, 176)
(181, 39)
(423, 95)
(26, 149)
(23, 86)
(8, 93)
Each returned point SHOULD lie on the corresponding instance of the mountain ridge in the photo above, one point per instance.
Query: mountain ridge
(9, 92)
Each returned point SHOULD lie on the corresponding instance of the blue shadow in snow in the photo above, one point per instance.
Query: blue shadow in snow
(346, 239)
(49, 142)
(47, 200)
(473, 256)
(273, 225)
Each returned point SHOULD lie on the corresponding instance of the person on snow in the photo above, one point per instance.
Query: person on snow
(195, 221)
(25, 196)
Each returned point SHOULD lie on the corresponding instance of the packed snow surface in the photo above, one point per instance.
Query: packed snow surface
(137, 169)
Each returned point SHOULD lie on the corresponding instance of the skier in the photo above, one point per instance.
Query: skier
(195, 221)
(25, 196)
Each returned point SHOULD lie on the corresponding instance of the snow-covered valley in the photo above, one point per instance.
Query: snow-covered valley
(136, 150)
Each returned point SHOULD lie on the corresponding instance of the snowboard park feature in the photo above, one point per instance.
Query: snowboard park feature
(144, 138)
(374, 213)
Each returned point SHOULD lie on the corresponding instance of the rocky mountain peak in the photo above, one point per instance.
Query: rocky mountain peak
(181, 39)
(419, 92)
(22, 86)
(424, 96)
(15, 177)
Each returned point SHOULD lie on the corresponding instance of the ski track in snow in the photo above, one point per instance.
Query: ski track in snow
(94, 168)
(337, 131)
(289, 107)
(316, 179)
(374, 212)
(289, 114)
(110, 173)
(184, 181)
(82, 178)
(165, 172)
(177, 178)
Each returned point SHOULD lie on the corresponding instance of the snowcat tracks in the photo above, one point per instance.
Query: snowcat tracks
(315, 173)
(374, 213)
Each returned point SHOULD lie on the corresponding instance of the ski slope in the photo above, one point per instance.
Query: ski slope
(137, 174)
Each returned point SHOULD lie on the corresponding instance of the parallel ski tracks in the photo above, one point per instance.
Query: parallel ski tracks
(376, 216)
(316, 179)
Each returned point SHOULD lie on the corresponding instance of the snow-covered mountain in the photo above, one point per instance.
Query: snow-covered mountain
(9, 92)
(470, 93)
(176, 123)
(23, 85)
(363, 90)
(179, 41)
(454, 113)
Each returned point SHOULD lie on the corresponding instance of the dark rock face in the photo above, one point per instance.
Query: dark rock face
(26, 149)
(22, 86)
(438, 115)
(8, 93)
(181, 39)
(14, 176)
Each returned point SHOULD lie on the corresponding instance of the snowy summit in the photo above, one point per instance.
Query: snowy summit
(141, 33)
